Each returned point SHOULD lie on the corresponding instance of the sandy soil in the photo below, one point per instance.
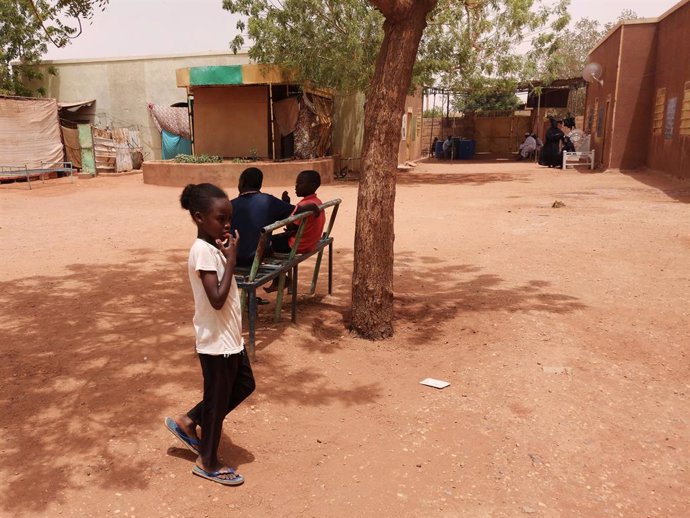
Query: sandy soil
(495, 290)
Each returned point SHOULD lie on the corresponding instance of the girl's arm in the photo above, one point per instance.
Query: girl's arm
(217, 292)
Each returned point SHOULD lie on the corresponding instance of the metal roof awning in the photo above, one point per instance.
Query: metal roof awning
(74, 106)
(241, 75)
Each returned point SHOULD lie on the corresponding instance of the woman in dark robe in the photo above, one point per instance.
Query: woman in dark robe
(551, 152)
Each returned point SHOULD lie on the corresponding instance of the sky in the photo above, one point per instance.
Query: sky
(155, 27)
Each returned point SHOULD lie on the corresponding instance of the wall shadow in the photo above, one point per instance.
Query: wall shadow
(676, 188)
(87, 354)
(428, 178)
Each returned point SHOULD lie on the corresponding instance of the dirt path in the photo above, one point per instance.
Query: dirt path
(495, 289)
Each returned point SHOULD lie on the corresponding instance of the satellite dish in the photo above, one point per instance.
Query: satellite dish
(592, 72)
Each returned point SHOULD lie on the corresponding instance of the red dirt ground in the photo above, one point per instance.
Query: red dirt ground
(494, 287)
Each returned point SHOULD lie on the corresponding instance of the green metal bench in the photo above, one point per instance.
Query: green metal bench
(265, 269)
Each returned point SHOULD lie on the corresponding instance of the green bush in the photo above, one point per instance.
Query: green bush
(198, 159)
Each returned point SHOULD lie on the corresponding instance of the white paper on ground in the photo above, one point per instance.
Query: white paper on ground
(431, 382)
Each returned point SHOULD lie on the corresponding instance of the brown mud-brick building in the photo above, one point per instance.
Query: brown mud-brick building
(639, 114)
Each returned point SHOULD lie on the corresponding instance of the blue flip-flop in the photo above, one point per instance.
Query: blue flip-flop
(216, 476)
(189, 442)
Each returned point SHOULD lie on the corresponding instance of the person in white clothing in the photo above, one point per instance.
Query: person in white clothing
(528, 146)
(228, 378)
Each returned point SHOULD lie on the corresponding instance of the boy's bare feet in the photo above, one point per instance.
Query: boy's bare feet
(274, 286)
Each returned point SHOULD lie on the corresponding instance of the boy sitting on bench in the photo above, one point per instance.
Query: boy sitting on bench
(306, 184)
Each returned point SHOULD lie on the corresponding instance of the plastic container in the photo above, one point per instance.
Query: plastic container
(438, 152)
(465, 149)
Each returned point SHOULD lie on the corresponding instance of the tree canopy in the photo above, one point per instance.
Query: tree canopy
(335, 44)
(26, 28)
(491, 98)
(332, 44)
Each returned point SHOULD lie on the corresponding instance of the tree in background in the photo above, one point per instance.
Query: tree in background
(500, 97)
(384, 47)
(573, 45)
(436, 111)
(330, 44)
(26, 28)
(570, 53)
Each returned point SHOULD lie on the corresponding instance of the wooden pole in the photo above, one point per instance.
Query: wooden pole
(190, 114)
(273, 133)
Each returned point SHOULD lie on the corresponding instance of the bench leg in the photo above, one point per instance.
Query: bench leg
(252, 324)
(293, 316)
(315, 278)
(243, 300)
(330, 268)
(279, 297)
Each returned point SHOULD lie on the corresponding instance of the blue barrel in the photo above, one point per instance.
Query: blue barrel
(466, 149)
(438, 152)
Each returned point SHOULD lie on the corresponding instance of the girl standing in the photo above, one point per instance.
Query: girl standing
(228, 377)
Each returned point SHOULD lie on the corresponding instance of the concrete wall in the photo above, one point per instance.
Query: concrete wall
(410, 147)
(672, 153)
(348, 127)
(123, 87)
(231, 121)
(227, 174)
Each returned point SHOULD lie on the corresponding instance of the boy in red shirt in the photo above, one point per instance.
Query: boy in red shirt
(306, 184)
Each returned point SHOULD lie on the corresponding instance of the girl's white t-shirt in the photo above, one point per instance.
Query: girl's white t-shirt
(218, 331)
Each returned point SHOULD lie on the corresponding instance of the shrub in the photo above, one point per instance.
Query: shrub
(198, 159)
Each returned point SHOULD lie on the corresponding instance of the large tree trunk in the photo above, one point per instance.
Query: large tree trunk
(372, 281)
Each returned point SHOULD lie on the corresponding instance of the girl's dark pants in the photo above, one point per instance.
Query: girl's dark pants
(227, 382)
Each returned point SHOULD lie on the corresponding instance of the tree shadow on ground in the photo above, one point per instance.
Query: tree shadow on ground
(87, 354)
(428, 296)
(93, 359)
(426, 178)
(429, 292)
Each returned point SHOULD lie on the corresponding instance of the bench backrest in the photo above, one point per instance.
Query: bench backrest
(268, 230)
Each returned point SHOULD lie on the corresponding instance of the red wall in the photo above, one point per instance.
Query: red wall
(598, 95)
(634, 97)
(639, 59)
(672, 71)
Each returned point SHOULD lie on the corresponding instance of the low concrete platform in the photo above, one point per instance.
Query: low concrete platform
(227, 174)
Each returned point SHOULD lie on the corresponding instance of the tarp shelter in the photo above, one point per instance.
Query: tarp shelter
(173, 124)
(29, 132)
(173, 145)
(255, 110)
